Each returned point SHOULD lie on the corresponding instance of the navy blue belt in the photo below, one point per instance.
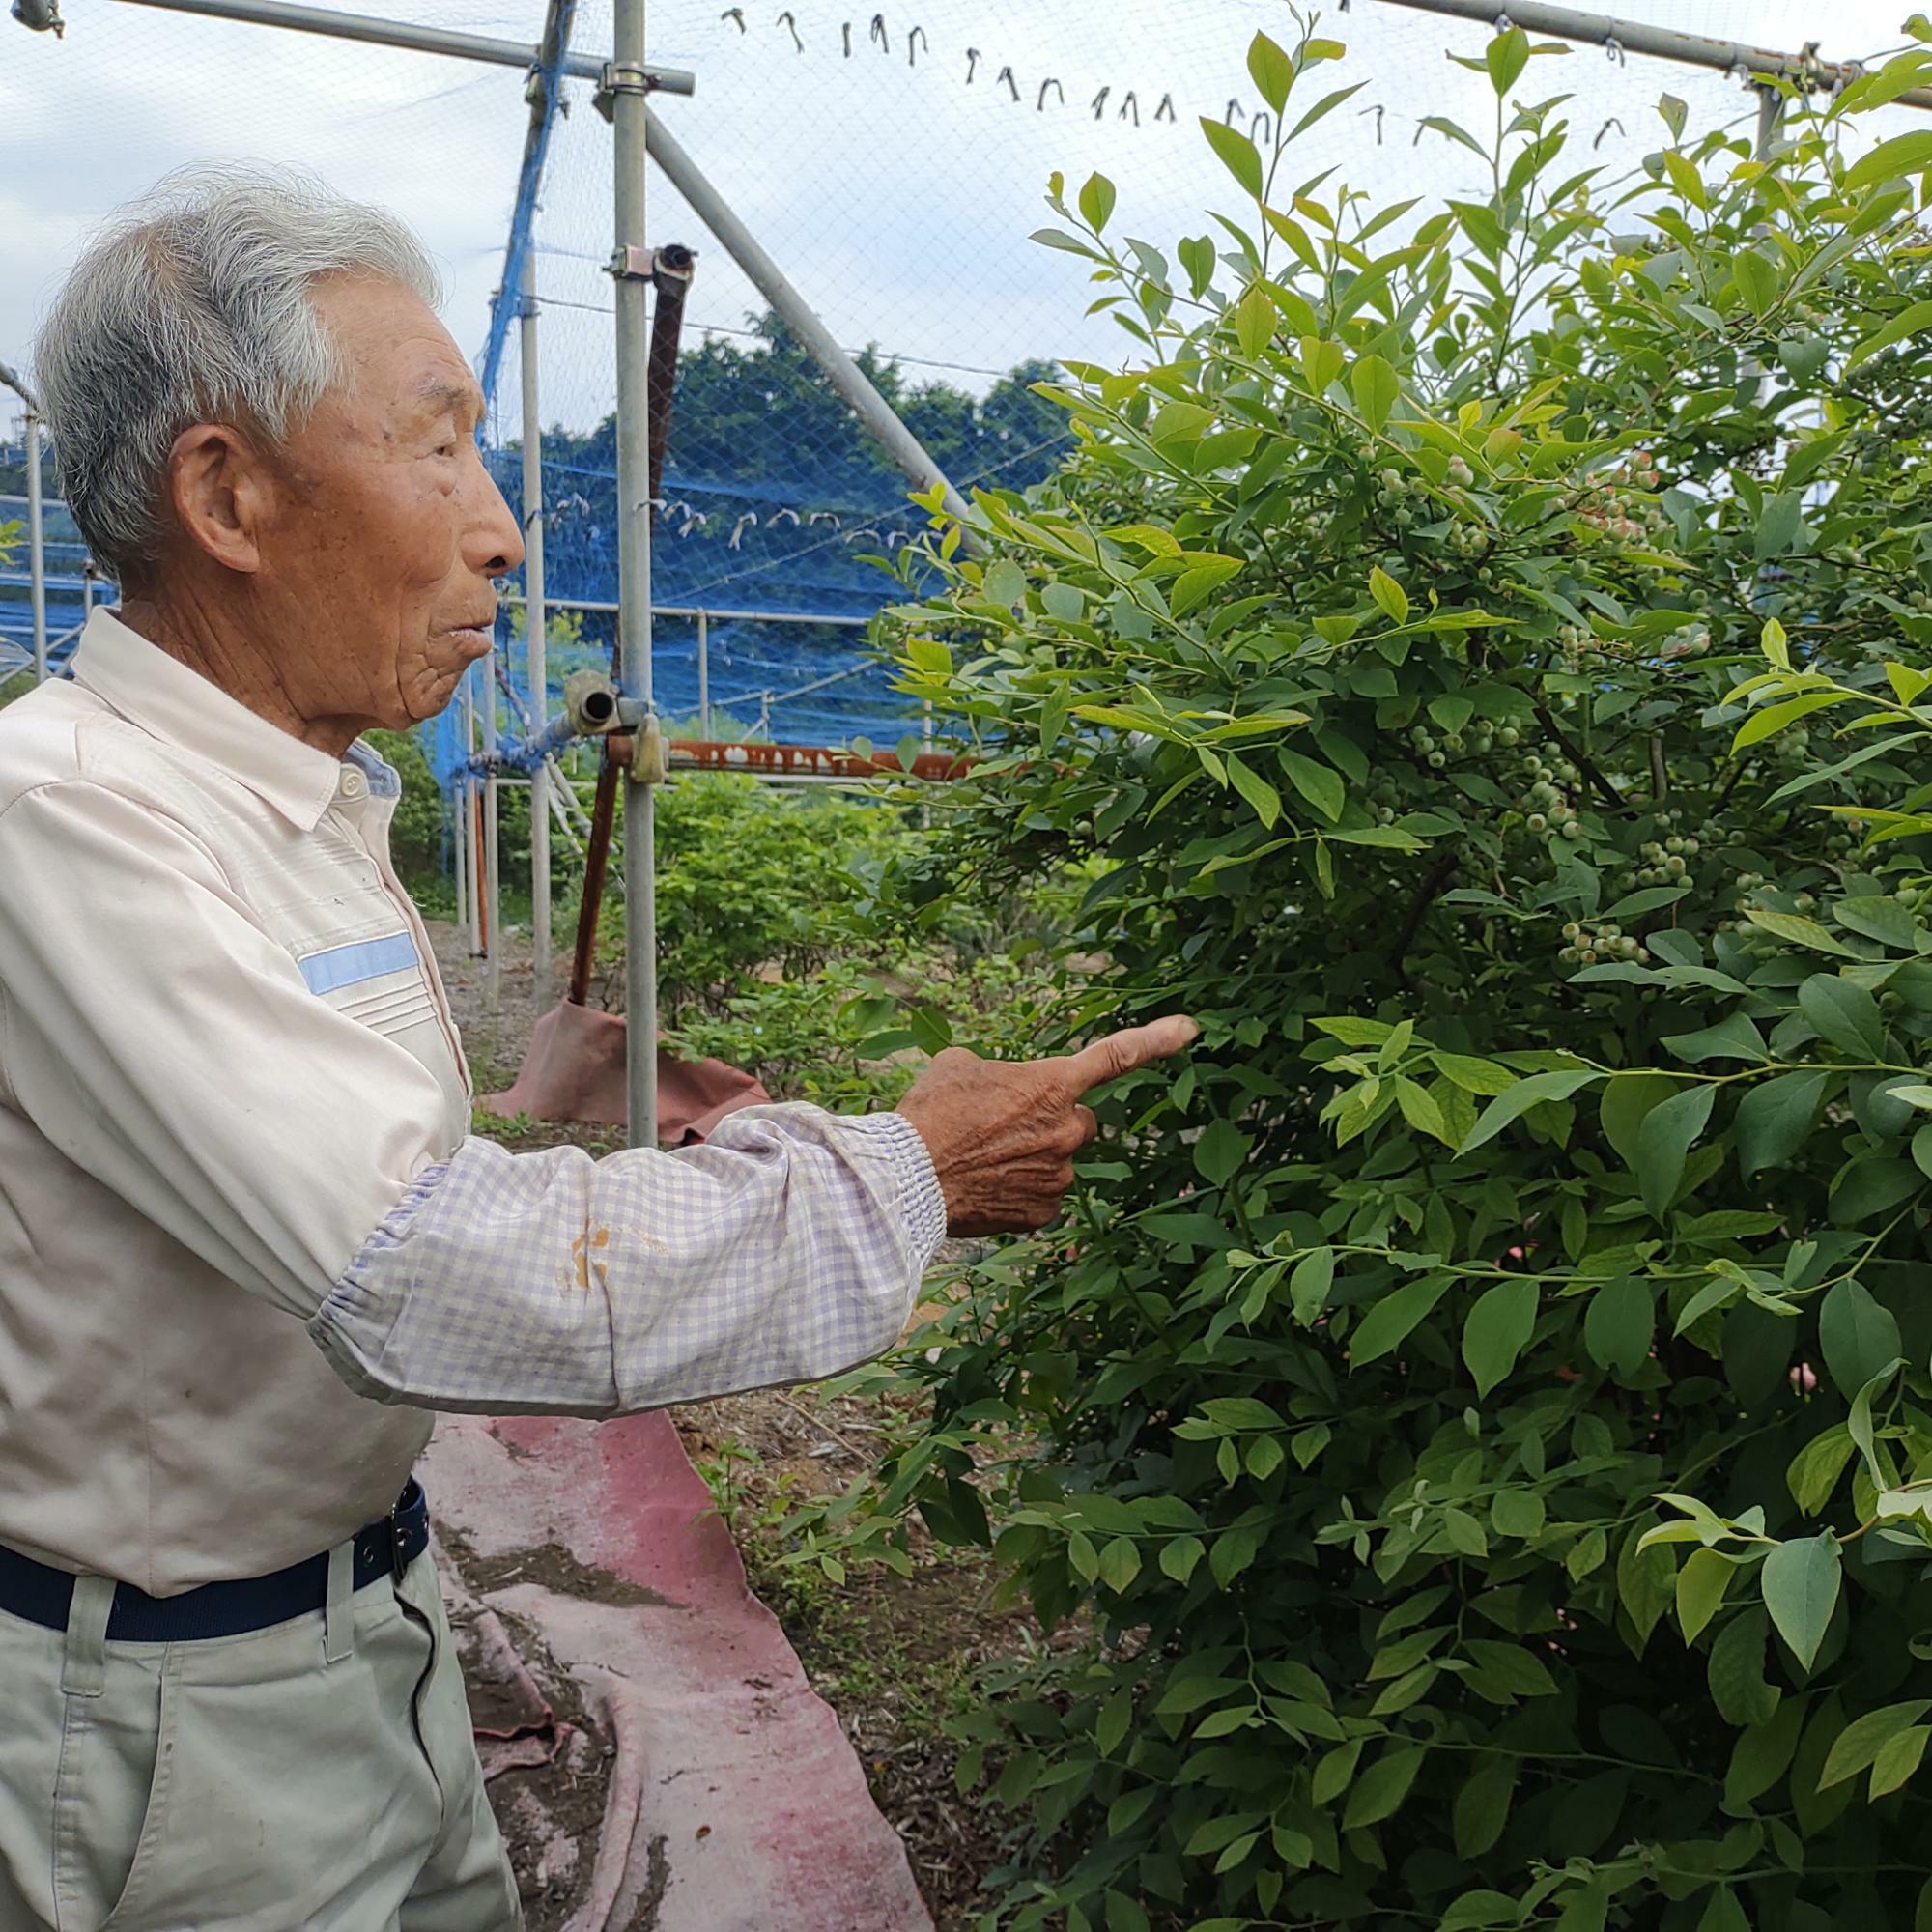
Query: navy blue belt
(384, 1548)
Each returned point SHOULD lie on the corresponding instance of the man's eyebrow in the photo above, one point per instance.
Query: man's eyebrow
(439, 396)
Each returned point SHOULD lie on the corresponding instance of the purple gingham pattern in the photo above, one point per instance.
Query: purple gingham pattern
(787, 1248)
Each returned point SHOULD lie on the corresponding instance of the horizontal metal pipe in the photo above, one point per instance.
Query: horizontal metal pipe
(410, 36)
(697, 610)
(1638, 37)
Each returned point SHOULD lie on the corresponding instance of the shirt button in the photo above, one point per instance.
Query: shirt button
(353, 785)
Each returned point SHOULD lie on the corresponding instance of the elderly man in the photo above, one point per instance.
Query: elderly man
(245, 1241)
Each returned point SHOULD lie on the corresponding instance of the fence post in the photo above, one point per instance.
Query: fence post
(624, 79)
(535, 618)
(704, 674)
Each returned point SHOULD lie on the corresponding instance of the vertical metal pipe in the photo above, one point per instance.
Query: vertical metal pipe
(535, 618)
(37, 549)
(704, 674)
(1769, 120)
(634, 559)
(492, 868)
(461, 855)
(471, 824)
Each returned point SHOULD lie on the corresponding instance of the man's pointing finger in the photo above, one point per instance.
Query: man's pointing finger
(1130, 1048)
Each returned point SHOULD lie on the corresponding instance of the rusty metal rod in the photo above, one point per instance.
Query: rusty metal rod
(671, 271)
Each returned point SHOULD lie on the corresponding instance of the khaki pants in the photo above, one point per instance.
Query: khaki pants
(316, 1776)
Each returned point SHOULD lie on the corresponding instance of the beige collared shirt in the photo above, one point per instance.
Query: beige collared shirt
(155, 1423)
(238, 1194)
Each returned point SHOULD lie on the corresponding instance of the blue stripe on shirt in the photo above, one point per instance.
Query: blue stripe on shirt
(364, 959)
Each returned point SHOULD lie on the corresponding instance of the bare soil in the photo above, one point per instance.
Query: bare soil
(896, 1656)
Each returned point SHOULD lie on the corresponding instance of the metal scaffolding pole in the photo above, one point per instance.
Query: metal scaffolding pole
(535, 618)
(417, 40)
(493, 875)
(37, 547)
(1637, 37)
(703, 674)
(625, 80)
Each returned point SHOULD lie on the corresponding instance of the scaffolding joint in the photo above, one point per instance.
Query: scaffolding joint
(622, 77)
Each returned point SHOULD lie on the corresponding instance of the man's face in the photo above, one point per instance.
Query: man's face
(385, 529)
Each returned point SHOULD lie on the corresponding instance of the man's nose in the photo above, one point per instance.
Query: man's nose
(493, 546)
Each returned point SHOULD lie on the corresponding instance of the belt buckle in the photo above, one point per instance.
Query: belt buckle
(399, 1560)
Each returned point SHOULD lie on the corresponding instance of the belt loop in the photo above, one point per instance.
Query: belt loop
(84, 1663)
(338, 1616)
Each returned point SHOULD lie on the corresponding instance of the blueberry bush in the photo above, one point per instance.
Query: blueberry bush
(1479, 1408)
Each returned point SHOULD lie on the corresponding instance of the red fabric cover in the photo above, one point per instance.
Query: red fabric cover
(575, 1071)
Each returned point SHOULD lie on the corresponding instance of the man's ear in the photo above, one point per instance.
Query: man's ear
(221, 492)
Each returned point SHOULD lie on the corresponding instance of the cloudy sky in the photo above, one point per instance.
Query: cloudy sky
(896, 190)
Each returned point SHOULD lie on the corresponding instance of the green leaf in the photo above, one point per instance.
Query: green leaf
(1220, 1152)
(1620, 1326)
(1912, 321)
(1723, 1914)
(1322, 364)
(1800, 1582)
(1797, 931)
(1474, 1075)
(1255, 319)
(1771, 719)
(1379, 1792)
(1816, 1468)
(1733, 1038)
(1646, 1583)
(1517, 1513)
(1775, 1119)
(1757, 281)
(1506, 56)
(1179, 1557)
(1096, 201)
(1738, 1684)
(1309, 1285)
(1898, 1759)
(1627, 1101)
(1005, 581)
(1903, 154)
(1239, 154)
(1272, 71)
(1120, 1563)
(1322, 787)
(1377, 391)
(1843, 1015)
(1701, 1584)
(1482, 1805)
(1762, 1754)
(1856, 1746)
(1779, 526)
(1389, 594)
(1859, 1336)
(1256, 789)
(1663, 1144)
(1497, 1331)
(1393, 1317)
(1521, 1099)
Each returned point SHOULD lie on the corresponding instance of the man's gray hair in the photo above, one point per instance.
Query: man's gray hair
(193, 305)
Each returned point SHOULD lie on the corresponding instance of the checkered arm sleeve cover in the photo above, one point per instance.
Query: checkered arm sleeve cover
(786, 1249)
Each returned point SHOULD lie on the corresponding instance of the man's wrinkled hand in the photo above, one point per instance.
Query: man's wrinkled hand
(1003, 1134)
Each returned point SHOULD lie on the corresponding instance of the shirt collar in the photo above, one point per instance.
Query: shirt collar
(164, 698)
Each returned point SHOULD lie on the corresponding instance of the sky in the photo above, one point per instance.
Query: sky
(895, 182)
